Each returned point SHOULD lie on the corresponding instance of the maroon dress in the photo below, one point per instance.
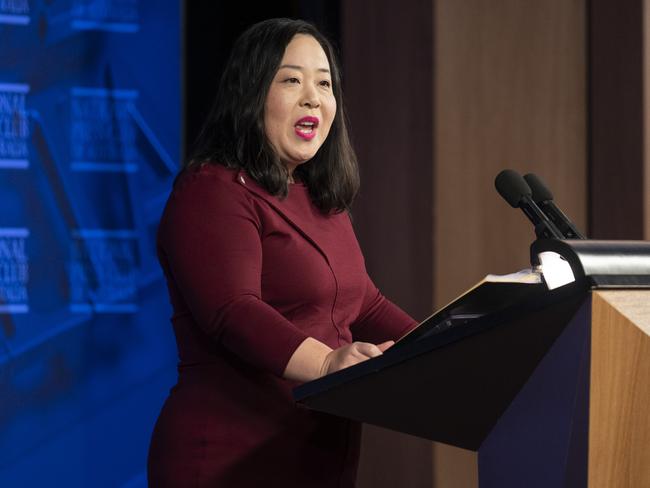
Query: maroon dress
(250, 276)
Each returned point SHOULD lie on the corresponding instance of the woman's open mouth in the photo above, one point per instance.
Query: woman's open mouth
(306, 127)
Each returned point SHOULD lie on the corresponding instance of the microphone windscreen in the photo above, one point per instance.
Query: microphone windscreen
(512, 187)
(541, 192)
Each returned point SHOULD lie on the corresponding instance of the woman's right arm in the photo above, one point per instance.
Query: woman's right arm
(209, 243)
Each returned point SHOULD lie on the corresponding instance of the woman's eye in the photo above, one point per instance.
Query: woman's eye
(326, 83)
(292, 80)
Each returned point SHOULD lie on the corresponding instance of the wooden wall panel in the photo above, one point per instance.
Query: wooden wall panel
(387, 49)
(646, 120)
(454, 467)
(388, 79)
(616, 113)
(510, 92)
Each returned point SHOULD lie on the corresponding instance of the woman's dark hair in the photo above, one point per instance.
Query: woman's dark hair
(233, 134)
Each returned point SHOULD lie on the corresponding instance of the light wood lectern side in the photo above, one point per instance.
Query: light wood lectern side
(619, 403)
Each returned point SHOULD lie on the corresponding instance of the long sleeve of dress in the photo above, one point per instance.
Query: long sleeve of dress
(380, 319)
(209, 243)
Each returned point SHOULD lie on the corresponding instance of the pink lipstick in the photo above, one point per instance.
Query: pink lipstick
(306, 127)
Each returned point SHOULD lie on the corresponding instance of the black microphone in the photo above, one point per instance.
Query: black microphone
(514, 189)
(543, 197)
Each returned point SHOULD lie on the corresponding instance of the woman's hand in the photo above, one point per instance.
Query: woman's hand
(352, 354)
(313, 359)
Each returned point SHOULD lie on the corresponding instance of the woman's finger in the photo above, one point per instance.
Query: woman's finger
(368, 350)
(351, 361)
(385, 345)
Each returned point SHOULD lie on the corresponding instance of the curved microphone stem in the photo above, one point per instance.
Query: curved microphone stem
(544, 228)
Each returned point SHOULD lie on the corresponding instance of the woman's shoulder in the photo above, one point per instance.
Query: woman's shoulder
(205, 197)
(201, 173)
(211, 176)
(209, 185)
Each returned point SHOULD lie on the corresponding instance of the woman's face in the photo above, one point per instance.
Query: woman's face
(300, 105)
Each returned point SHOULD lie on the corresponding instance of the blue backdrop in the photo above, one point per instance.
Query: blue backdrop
(90, 111)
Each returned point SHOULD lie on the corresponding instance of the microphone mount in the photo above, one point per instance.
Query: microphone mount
(514, 189)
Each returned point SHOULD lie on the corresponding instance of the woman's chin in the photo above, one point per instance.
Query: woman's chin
(302, 158)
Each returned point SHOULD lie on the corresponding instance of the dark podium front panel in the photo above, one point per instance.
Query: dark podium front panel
(451, 387)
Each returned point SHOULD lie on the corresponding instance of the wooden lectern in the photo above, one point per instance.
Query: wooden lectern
(551, 390)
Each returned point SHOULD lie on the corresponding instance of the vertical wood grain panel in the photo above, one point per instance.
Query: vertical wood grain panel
(619, 425)
(454, 467)
(387, 50)
(616, 113)
(646, 120)
(388, 78)
(510, 92)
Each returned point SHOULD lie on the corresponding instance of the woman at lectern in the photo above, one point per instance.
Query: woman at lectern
(265, 275)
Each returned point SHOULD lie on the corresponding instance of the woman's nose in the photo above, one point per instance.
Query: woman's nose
(310, 98)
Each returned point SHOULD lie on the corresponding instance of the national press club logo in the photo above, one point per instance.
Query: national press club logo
(14, 12)
(102, 130)
(103, 15)
(103, 271)
(14, 270)
(14, 126)
(106, 15)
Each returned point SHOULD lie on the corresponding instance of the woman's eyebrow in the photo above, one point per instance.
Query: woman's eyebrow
(295, 66)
